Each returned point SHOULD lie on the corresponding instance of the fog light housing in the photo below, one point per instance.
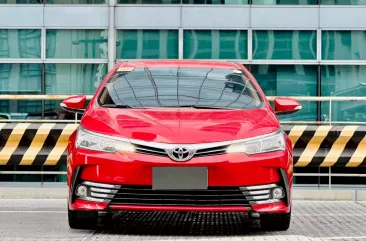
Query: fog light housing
(82, 191)
(278, 193)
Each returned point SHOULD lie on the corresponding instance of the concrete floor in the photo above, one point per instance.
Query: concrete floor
(22, 219)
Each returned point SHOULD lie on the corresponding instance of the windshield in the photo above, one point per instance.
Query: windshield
(179, 87)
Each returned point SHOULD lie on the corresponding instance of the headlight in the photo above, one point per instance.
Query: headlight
(261, 144)
(93, 141)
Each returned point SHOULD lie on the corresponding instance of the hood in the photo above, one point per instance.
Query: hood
(183, 126)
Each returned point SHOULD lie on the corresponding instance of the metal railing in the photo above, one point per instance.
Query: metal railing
(330, 99)
(329, 174)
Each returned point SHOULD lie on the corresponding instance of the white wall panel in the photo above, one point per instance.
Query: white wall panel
(215, 16)
(343, 17)
(76, 16)
(284, 17)
(11, 16)
(147, 17)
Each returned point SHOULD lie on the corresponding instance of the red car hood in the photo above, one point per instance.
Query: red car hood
(185, 126)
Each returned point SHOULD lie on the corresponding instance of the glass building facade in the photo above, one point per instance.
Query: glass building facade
(292, 47)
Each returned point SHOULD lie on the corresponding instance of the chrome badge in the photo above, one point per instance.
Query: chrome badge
(180, 154)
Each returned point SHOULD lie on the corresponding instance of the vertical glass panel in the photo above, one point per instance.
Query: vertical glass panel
(289, 80)
(20, 43)
(20, 78)
(20, 109)
(51, 106)
(343, 2)
(76, 1)
(347, 80)
(344, 45)
(284, 44)
(74, 78)
(228, 2)
(33, 109)
(21, 1)
(147, 44)
(284, 2)
(77, 44)
(215, 44)
(149, 1)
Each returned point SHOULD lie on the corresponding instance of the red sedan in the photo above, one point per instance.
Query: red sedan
(179, 136)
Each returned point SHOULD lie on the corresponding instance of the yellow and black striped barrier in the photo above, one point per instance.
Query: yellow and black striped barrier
(34, 144)
(46, 144)
(328, 146)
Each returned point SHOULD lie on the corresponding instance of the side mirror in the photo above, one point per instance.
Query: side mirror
(285, 106)
(75, 104)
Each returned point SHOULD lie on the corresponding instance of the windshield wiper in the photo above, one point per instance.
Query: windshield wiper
(116, 106)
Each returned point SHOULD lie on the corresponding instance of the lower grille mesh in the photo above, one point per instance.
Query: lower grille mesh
(214, 196)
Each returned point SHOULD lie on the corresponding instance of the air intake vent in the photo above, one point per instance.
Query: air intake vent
(214, 196)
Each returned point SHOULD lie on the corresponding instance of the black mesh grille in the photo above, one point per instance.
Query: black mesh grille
(214, 196)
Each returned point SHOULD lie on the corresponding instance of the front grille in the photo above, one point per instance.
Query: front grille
(213, 196)
(218, 150)
(148, 150)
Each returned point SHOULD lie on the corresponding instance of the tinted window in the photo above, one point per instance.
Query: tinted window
(174, 87)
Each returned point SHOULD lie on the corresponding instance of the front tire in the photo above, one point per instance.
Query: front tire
(82, 219)
(276, 222)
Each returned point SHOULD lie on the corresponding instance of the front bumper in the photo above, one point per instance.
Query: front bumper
(236, 183)
(231, 199)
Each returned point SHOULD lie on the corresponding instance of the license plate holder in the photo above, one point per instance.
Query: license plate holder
(179, 178)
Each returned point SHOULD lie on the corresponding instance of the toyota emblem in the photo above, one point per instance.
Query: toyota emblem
(180, 154)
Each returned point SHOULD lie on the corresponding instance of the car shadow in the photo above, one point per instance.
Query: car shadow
(182, 224)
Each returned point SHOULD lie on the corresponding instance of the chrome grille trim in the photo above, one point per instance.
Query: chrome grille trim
(99, 190)
(251, 193)
(101, 185)
(260, 194)
(259, 187)
(189, 146)
(163, 149)
(145, 149)
(269, 201)
(101, 195)
(202, 151)
(94, 199)
(211, 151)
(258, 197)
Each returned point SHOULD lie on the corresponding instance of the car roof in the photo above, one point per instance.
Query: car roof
(179, 63)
